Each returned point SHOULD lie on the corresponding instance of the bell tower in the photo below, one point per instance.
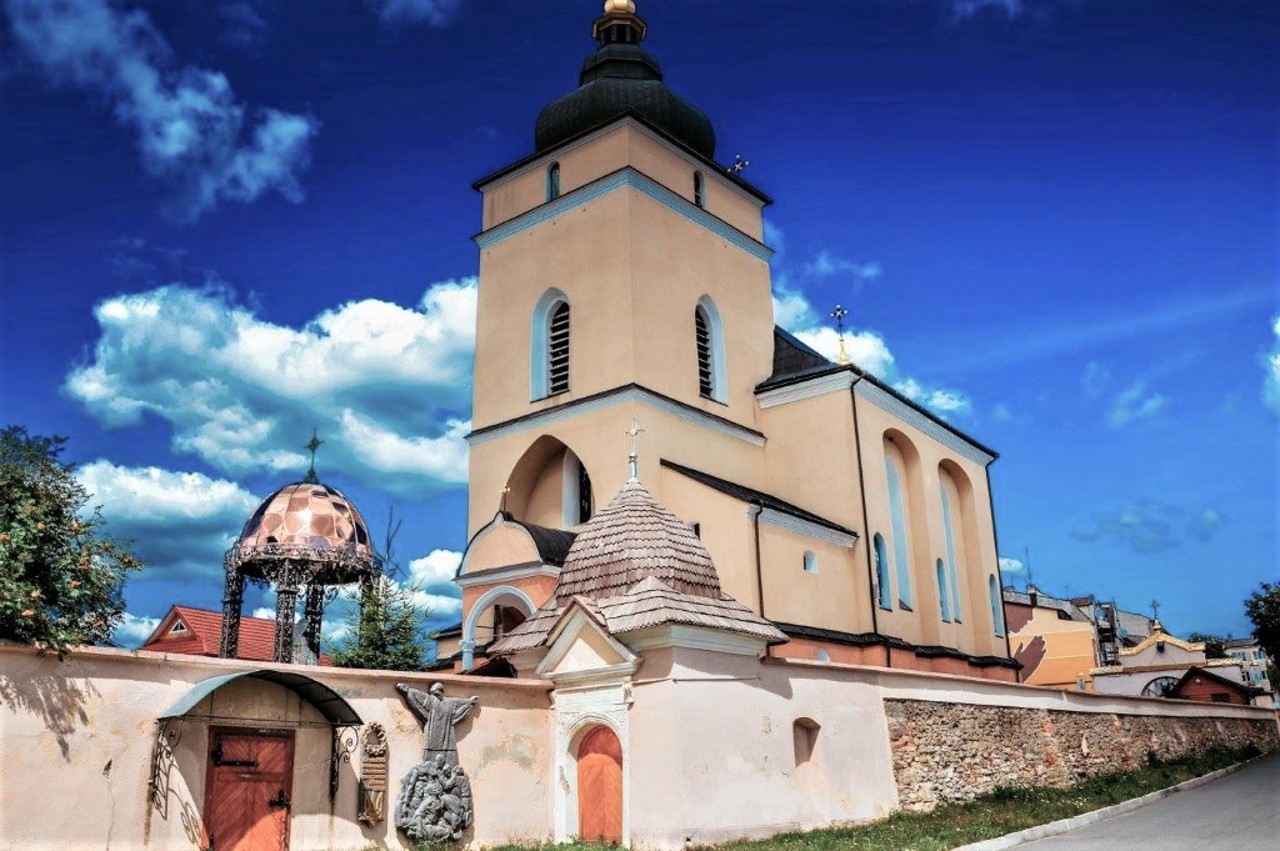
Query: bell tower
(622, 275)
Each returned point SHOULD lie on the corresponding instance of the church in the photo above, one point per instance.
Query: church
(716, 586)
(624, 282)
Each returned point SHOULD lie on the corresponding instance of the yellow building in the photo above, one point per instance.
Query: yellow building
(624, 279)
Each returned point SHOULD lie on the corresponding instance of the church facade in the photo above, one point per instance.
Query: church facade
(624, 278)
(780, 612)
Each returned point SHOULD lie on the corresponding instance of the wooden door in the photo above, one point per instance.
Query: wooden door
(600, 787)
(248, 790)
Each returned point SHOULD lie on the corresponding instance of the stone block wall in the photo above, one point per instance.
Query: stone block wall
(956, 751)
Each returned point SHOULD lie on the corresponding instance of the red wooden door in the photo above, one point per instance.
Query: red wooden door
(600, 787)
(247, 794)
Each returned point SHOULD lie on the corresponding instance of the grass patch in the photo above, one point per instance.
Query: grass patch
(997, 813)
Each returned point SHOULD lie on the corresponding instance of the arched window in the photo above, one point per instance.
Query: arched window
(952, 572)
(997, 610)
(577, 491)
(898, 528)
(810, 561)
(708, 337)
(943, 596)
(549, 338)
(882, 574)
(553, 181)
(699, 190)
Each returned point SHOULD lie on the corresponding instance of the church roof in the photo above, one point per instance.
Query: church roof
(792, 358)
(636, 565)
(629, 539)
(619, 79)
(552, 544)
(746, 494)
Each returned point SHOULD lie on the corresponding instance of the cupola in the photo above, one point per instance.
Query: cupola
(621, 78)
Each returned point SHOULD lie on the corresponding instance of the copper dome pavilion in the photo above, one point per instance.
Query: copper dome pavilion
(306, 535)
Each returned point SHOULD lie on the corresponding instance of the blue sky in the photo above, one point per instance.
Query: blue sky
(1053, 221)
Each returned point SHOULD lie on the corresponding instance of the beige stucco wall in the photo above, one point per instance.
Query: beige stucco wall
(63, 724)
(713, 749)
(625, 143)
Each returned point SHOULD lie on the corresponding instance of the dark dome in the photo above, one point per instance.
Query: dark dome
(619, 78)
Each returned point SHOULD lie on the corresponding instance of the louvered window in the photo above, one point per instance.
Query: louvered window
(702, 334)
(558, 351)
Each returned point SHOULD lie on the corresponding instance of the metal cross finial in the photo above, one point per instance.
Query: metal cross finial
(313, 444)
(739, 164)
(1155, 610)
(838, 315)
(633, 433)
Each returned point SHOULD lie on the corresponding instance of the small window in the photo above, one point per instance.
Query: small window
(558, 351)
(178, 628)
(708, 336)
(553, 181)
(699, 190)
(810, 561)
(697, 529)
(884, 592)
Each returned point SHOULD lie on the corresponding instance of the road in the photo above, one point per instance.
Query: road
(1239, 812)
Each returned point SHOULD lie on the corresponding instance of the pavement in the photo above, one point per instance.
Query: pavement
(1232, 810)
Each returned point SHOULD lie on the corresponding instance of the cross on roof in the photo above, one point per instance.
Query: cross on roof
(313, 444)
(633, 433)
(739, 164)
(838, 315)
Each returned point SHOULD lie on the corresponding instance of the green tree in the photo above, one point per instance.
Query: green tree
(61, 574)
(1214, 646)
(386, 632)
(1263, 608)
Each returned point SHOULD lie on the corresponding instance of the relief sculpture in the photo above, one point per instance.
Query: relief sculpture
(435, 795)
(373, 782)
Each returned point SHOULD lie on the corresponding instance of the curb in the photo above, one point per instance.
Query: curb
(1053, 828)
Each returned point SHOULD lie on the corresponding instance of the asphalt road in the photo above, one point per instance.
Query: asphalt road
(1239, 812)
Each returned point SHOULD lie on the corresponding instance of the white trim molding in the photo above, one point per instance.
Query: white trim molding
(506, 574)
(800, 526)
(631, 395)
(821, 386)
(473, 617)
(693, 638)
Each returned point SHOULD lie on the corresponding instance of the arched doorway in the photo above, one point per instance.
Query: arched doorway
(600, 787)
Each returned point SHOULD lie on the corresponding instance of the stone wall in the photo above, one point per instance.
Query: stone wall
(955, 751)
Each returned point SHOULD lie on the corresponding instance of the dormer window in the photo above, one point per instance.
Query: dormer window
(178, 628)
(699, 190)
(553, 181)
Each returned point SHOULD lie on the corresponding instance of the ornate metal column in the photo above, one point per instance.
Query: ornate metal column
(314, 609)
(286, 581)
(232, 600)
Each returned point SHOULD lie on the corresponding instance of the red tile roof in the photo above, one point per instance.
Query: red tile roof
(203, 635)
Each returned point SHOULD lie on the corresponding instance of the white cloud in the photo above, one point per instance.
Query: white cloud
(1011, 565)
(437, 13)
(1271, 384)
(191, 131)
(1135, 403)
(436, 568)
(382, 383)
(866, 349)
(133, 630)
(265, 613)
(826, 264)
(180, 524)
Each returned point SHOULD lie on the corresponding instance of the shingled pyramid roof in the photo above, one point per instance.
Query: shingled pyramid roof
(638, 565)
(632, 538)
